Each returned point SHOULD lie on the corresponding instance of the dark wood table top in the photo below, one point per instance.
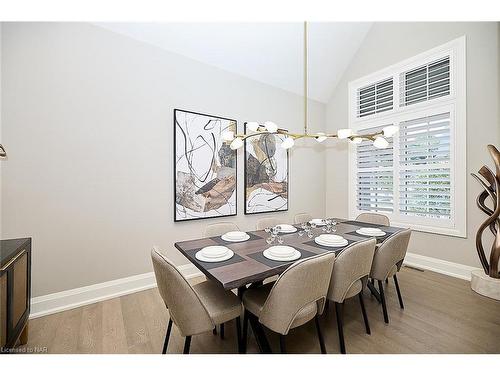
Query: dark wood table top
(248, 265)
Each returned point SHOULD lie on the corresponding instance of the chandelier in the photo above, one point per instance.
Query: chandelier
(237, 140)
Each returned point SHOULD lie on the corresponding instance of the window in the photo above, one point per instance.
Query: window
(419, 180)
(375, 98)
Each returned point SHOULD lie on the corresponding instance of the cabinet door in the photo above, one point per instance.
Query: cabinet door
(20, 289)
(3, 310)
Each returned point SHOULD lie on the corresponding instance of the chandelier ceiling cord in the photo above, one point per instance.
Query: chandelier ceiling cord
(237, 140)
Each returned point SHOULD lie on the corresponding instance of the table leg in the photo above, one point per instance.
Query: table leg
(23, 339)
(259, 334)
(374, 291)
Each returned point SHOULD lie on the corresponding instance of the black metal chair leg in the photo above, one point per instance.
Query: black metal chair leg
(363, 310)
(245, 332)
(222, 331)
(399, 292)
(282, 344)
(214, 331)
(238, 334)
(167, 337)
(387, 281)
(320, 335)
(340, 326)
(187, 344)
(382, 297)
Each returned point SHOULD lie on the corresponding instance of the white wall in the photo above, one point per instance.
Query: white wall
(389, 43)
(88, 126)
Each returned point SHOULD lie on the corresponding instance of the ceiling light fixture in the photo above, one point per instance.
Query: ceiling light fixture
(269, 127)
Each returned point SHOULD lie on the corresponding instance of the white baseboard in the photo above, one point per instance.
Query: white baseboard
(444, 267)
(70, 299)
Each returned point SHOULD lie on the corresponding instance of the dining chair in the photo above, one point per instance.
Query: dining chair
(373, 218)
(267, 222)
(387, 262)
(349, 277)
(193, 308)
(302, 218)
(297, 296)
(218, 229)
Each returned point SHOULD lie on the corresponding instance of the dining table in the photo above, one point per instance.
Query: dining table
(248, 267)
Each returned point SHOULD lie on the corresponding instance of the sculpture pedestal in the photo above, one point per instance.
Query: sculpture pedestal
(485, 285)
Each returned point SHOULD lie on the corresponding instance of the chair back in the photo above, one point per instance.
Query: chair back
(390, 253)
(218, 229)
(184, 306)
(302, 284)
(351, 269)
(267, 222)
(373, 218)
(302, 218)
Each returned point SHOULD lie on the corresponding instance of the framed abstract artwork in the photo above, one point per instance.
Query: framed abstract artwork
(266, 174)
(204, 167)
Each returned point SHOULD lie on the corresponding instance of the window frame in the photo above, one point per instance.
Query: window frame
(454, 103)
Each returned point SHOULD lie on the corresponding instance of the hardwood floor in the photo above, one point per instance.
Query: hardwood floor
(441, 315)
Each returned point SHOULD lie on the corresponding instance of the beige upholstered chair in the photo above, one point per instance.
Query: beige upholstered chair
(387, 262)
(194, 309)
(349, 277)
(297, 296)
(267, 222)
(219, 229)
(373, 218)
(302, 218)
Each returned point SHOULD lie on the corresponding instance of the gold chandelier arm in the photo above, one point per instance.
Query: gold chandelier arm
(370, 136)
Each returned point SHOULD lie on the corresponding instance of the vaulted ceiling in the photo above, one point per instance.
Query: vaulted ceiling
(271, 53)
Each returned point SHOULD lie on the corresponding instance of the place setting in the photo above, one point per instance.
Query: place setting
(377, 233)
(234, 237)
(216, 256)
(331, 242)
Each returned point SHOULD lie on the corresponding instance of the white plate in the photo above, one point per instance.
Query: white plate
(214, 251)
(200, 256)
(287, 228)
(281, 251)
(379, 234)
(317, 222)
(371, 230)
(295, 256)
(329, 244)
(235, 235)
(246, 238)
(331, 238)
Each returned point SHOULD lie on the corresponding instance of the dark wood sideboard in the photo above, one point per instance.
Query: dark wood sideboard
(15, 292)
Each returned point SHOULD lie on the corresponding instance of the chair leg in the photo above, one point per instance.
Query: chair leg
(167, 336)
(222, 331)
(399, 292)
(282, 344)
(384, 304)
(238, 334)
(187, 344)
(340, 325)
(363, 310)
(320, 335)
(387, 281)
(214, 331)
(245, 332)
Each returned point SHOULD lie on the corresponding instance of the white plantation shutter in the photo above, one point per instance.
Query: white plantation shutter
(426, 82)
(424, 159)
(375, 98)
(374, 176)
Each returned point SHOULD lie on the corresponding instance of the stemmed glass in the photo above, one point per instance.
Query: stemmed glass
(274, 235)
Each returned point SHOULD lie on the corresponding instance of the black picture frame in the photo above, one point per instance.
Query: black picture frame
(245, 179)
(177, 220)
